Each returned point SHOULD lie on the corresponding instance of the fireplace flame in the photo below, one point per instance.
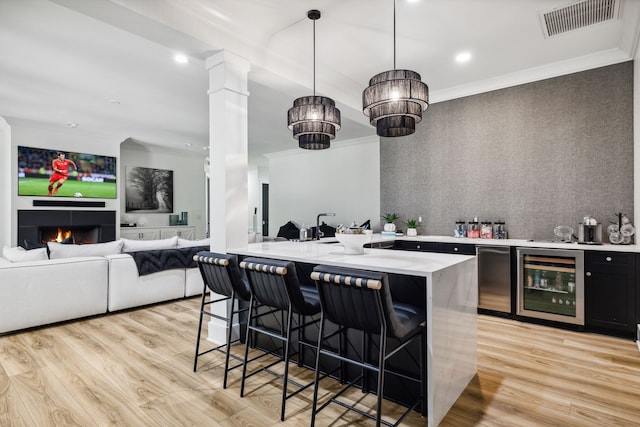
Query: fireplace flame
(62, 235)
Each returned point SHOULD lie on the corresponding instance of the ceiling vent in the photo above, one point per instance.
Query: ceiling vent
(577, 15)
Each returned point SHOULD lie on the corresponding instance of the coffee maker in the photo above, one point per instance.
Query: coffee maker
(589, 231)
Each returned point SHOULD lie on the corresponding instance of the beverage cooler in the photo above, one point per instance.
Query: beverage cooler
(551, 285)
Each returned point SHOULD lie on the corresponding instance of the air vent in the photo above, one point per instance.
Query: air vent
(577, 15)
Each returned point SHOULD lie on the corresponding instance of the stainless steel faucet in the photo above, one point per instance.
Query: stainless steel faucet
(319, 233)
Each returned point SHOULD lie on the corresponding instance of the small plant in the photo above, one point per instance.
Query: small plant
(390, 217)
(411, 223)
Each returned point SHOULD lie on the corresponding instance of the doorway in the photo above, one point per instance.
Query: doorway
(265, 209)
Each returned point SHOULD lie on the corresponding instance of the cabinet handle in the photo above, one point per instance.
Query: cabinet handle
(608, 259)
(588, 273)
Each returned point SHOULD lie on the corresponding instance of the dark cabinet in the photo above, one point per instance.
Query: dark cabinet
(412, 245)
(610, 291)
(445, 248)
(457, 248)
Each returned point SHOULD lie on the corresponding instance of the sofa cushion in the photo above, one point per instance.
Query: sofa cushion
(61, 250)
(184, 243)
(20, 254)
(149, 245)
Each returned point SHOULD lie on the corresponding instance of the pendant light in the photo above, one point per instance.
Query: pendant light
(395, 99)
(314, 119)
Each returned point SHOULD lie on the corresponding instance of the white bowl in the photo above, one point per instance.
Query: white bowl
(353, 242)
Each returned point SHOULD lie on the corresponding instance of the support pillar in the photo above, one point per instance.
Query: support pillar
(228, 155)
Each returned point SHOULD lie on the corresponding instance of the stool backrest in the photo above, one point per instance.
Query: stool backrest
(275, 283)
(221, 274)
(356, 299)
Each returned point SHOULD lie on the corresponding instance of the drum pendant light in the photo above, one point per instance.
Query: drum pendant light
(395, 99)
(314, 119)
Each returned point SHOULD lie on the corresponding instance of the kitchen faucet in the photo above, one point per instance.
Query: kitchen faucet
(319, 233)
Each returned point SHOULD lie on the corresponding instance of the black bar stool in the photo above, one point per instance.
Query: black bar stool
(275, 284)
(361, 300)
(221, 275)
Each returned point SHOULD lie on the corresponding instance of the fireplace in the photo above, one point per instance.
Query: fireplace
(41, 226)
(78, 235)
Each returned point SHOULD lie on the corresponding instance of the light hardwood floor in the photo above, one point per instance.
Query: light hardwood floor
(135, 369)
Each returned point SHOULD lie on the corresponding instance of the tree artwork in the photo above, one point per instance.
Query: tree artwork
(149, 190)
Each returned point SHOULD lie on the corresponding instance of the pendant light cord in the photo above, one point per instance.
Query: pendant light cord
(314, 57)
(394, 34)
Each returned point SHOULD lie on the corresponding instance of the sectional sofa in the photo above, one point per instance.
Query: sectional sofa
(65, 282)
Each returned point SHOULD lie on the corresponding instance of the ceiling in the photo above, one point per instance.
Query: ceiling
(108, 65)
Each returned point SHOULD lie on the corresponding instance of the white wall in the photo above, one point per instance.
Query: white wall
(345, 179)
(258, 175)
(188, 181)
(5, 178)
(39, 135)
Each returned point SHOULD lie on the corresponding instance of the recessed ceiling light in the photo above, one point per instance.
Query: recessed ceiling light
(113, 101)
(205, 148)
(181, 58)
(463, 57)
(72, 125)
(187, 144)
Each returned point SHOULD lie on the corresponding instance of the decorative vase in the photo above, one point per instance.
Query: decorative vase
(389, 226)
(412, 232)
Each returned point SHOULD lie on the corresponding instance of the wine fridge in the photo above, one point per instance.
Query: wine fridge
(551, 284)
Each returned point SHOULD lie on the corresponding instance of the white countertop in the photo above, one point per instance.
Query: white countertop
(330, 252)
(514, 242)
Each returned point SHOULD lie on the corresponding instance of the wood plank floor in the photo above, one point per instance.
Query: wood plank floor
(135, 369)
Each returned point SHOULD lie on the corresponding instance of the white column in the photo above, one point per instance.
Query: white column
(228, 154)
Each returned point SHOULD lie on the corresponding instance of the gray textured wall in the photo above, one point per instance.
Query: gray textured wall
(536, 155)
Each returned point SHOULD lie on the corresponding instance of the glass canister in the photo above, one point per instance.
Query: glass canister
(460, 230)
(499, 230)
(486, 230)
(473, 229)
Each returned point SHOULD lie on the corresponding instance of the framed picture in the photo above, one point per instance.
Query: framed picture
(148, 190)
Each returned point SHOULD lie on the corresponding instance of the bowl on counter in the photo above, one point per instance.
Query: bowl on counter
(353, 242)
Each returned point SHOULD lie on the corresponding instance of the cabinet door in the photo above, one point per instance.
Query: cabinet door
(188, 233)
(610, 291)
(140, 233)
(457, 248)
(412, 245)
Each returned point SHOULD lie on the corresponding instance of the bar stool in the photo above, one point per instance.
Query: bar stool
(221, 275)
(274, 284)
(361, 300)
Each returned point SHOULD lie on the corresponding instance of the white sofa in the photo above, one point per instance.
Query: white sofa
(34, 293)
(37, 292)
(128, 289)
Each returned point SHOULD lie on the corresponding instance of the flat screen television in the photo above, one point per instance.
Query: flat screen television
(55, 173)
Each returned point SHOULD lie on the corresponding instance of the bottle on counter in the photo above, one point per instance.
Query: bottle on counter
(499, 230)
(460, 230)
(473, 229)
(486, 230)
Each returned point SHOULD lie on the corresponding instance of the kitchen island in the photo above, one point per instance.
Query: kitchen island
(451, 300)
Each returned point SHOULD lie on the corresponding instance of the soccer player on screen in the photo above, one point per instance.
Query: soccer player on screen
(60, 172)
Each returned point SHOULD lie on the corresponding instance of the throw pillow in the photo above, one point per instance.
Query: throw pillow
(184, 243)
(62, 250)
(149, 245)
(20, 254)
